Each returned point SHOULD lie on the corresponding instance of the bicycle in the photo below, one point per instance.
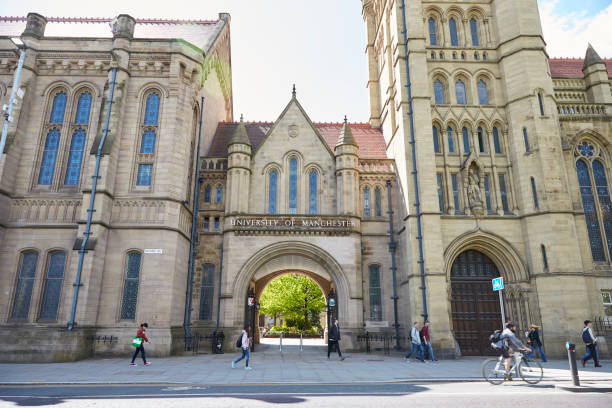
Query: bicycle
(530, 371)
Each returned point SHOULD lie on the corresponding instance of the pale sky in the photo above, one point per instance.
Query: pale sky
(317, 44)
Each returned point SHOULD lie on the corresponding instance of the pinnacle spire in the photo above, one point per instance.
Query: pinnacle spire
(591, 57)
(240, 134)
(293, 91)
(346, 135)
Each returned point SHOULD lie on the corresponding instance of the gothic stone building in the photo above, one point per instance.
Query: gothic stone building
(494, 159)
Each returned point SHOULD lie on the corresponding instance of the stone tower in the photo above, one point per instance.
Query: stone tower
(347, 173)
(239, 170)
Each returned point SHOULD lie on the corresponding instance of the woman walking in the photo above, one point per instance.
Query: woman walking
(244, 348)
(140, 349)
(535, 342)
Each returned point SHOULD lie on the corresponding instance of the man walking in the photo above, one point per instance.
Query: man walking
(591, 344)
(417, 347)
(427, 343)
(141, 333)
(334, 339)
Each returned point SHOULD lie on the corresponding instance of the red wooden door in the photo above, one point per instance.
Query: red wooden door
(475, 307)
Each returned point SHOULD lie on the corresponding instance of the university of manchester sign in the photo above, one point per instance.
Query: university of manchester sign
(296, 224)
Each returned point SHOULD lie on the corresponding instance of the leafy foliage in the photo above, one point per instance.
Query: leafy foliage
(294, 296)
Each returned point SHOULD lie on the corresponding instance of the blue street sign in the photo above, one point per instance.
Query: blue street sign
(498, 283)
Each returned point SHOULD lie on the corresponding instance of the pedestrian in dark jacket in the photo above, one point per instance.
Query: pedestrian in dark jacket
(142, 334)
(535, 342)
(333, 340)
(425, 340)
(591, 344)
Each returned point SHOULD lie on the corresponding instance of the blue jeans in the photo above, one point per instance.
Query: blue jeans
(431, 353)
(245, 353)
(591, 353)
(141, 350)
(418, 349)
(539, 348)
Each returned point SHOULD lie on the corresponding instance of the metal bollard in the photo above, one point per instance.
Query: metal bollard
(301, 346)
(281, 342)
(571, 355)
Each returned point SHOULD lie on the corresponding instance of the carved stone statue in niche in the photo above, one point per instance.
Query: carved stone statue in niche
(474, 192)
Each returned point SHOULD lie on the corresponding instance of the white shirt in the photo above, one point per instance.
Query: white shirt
(416, 337)
(245, 340)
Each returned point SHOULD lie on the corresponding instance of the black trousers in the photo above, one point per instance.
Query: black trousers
(330, 346)
(140, 349)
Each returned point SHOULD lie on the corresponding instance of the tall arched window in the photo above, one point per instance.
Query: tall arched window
(451, 144)
(58, 109)
(433, 37)
(53, 286)
(541, 103)
(73, 169)
(483, 96)
(152, 110)
(312, 192)
(130, 286)
(460, 91)
(496, 141)
(590, 211)
(436, 141)
(83, 108)
(207, 291)
(452, 25)
(25, 283)
(366, 202)
(378, 202)
(272, 187)
(149, 131)
(293, 186)
(481, 141)
(526, 138)
(207, 193)
(466, 140)
(147, 145)
(439, 92)
(219, 194)
(375, 293)
(47, 166)
(474, 32)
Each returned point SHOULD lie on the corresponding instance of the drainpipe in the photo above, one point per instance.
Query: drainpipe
(194, 232)
(219, 294)
(92, 199)
(417, 203)
(392, 248)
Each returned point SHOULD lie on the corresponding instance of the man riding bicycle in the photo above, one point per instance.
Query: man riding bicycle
(510, 342)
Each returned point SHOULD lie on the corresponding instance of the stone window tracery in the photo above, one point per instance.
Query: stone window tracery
(375, 293)
(53, 286)
(130, 286)
(25, 284)
(149, 130)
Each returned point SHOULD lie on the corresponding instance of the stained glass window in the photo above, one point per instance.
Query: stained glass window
(377, 202)
(440, 192)
(526, 138)
(73, 169)
(219, 194)
(207, 192)
(474, 264)
(586, 149)
(207, 291)
(534, 192)
(375, 293)
(590, 212)
(460, 91)
(474, 30)
(25, 283)
(433, 38)
(47, 167)
(53, 286)
(601, 185)
(152, 109)
(293, 186)
(436, 142)
(481, 142)
(504, 193)
(83, 108)
(147, 145)
(452, 25)
(366, 202)
(130, 289)
(466, 140)
(496, 142)
(145, 171)
(451, 145)
(272, 192)
(312, 192)
(58, 108)
(487, 187)
(439, 92)
(455, 184)
(483, 95)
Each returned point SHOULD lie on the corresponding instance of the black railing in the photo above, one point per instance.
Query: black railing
(201, 341)
(602, 326)
(103, 339)
(386, 339)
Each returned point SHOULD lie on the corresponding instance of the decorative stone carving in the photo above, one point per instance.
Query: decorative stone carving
(123, 26)
(293, 130)
(474, 190)
(35, 25)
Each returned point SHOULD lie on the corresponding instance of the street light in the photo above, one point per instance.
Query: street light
(14, 92)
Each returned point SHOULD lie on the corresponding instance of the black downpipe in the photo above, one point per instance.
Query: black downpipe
(417, 203)
(194, 232)
(77, 284)
(392, 248)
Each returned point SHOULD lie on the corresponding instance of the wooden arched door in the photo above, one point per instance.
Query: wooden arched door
(475, 307)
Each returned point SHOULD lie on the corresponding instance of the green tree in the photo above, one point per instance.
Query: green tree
(292, 295)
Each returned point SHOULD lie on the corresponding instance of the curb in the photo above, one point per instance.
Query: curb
(585, 388)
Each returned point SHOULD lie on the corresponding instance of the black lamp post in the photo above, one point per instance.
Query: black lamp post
(251, 305)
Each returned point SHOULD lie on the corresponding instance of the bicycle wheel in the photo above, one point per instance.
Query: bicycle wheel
(493, 371)
(530, 371)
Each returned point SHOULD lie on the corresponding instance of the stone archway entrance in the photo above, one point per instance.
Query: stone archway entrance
(476, 312)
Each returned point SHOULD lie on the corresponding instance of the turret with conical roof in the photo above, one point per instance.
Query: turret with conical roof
(347, 171)
(238, 170)
(596, 78)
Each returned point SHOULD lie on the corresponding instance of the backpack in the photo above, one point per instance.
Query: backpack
(239, 342)
(496, 340)
(586, 336)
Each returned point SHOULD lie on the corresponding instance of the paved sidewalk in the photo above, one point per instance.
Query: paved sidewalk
(272, 367)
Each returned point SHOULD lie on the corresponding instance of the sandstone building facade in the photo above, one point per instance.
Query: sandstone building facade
(493, 158)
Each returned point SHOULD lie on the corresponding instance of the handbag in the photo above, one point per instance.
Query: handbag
(137, 342)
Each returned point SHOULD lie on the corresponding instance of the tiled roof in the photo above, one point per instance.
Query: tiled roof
(196, 32)
(370, 140)
(572, 67)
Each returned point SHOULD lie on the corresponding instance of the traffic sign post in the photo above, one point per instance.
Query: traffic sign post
(498, 285)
